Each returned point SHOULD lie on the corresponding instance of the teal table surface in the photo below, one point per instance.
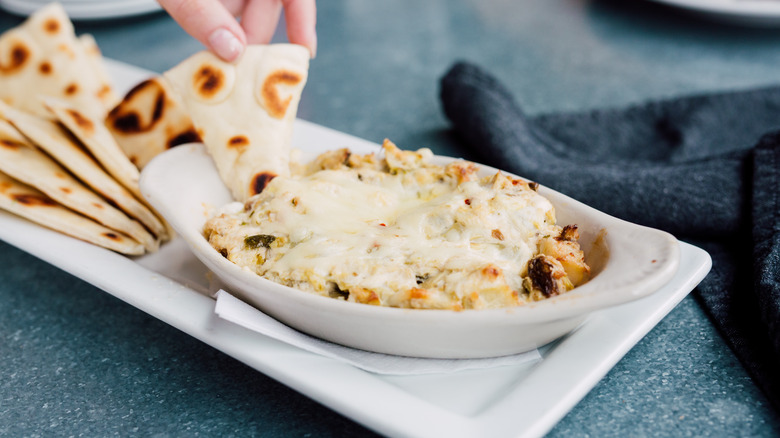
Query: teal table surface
(74, 361)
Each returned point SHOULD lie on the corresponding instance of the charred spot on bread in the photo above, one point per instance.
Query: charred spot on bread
(19, 55)
(208, 81)
(45, 68)
(112, 236)
(126, 123)
(159, 109)
(33, 200)
(83, 122)
(10, 144)
(138, 88)
(71, 89)
(238, 142)
(260, 181)
(129, 121)
(273, 103)
(189, 136)
(51, 26)
(104, 91)
(67, 49)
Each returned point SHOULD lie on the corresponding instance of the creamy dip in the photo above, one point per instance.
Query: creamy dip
(398, 231)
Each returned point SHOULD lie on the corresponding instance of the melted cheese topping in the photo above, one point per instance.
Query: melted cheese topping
(395, 232)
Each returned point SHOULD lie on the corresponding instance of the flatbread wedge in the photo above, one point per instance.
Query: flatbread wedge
(43, 57)
(32, 204)
(106, 92)
(22, 161)
(94, 135)
(244, 111)
(57, 142)
(149, 120)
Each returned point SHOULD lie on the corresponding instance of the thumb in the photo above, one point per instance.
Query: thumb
(209, 22)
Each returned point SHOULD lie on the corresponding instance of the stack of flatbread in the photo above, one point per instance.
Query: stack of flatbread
(59, 164)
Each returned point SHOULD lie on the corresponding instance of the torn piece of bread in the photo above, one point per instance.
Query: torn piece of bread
(244, 111)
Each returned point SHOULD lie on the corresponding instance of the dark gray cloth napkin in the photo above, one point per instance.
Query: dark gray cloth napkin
(705, 168)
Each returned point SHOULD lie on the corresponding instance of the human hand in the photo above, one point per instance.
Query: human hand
(213, 22)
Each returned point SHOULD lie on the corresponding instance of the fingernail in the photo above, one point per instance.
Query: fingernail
(225, 44)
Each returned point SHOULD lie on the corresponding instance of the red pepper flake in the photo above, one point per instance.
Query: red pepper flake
(383, 224)
(467, 201)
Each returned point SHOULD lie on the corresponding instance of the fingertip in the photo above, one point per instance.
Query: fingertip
(301, 17)
(225, 44)
(211, 23)
(312, 46)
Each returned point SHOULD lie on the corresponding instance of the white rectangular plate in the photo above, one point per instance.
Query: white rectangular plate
(522, 400)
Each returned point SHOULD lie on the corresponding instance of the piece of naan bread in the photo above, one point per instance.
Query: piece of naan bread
(27, 202)
(244, 111)
(60, 145)
(22, 161)
(43, 57)
(150, 120)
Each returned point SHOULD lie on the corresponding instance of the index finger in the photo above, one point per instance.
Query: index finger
(209, 22)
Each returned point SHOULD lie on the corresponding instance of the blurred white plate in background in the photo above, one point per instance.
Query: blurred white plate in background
(86, 9)
(743, 12)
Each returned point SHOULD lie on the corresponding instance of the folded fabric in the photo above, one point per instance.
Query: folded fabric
(705, 168)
